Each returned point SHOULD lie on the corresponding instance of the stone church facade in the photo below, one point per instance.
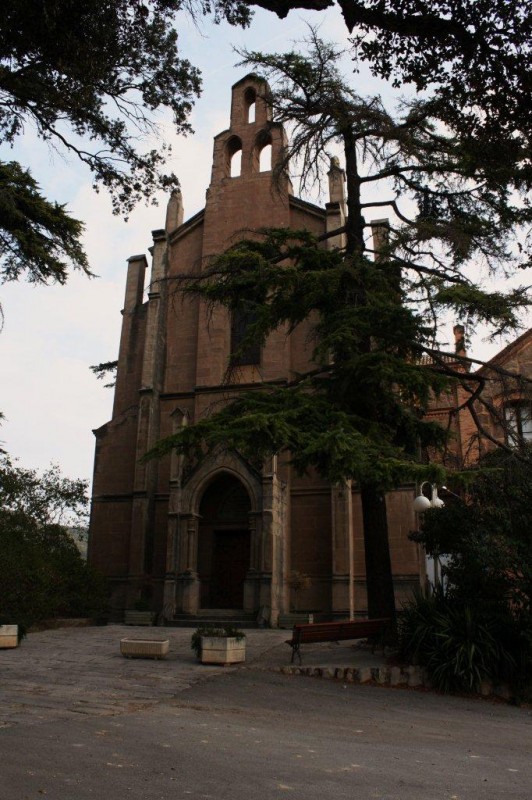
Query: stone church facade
(224, 534)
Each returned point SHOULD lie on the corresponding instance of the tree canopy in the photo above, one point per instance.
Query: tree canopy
(88, 77)
(43, 573)
(49, 497)
(474, 53)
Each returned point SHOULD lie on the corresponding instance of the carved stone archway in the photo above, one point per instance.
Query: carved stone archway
(183, 588)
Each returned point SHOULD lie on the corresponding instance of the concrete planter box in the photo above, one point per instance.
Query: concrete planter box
(144, 648)
(139, 617)
(222, 650)
(8, 636)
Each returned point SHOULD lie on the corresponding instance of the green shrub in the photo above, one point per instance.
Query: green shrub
(43, 574)
(482, 626)
(457, 644)
(224, 630)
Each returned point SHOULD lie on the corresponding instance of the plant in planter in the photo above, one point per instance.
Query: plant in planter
(223, 645)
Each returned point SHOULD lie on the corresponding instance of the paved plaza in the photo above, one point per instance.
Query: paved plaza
(78, 721)
(59, 672)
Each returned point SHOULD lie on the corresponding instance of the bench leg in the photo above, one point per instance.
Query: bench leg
(296, 650)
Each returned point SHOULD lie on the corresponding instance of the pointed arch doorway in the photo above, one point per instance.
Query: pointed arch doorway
(224, 543)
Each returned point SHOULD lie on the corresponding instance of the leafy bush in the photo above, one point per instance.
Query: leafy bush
(458, 646)
(226, 631)
(481, 627)
(43, 573)
(487, 536)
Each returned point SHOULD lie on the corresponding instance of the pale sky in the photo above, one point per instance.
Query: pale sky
(51, 335)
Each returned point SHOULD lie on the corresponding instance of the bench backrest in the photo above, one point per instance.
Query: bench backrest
(337, 631)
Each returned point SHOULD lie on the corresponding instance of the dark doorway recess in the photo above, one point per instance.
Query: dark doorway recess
(224, 543)
(230, 565)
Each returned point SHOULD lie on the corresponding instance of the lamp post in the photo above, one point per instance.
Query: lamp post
(423, 503)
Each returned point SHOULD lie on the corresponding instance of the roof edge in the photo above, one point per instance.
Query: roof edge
(506, 352)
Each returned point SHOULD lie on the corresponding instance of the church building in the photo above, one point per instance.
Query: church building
(225, 535)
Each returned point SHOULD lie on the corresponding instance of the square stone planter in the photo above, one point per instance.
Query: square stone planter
(8, 636)
(144, 648)
(139, 617)
(222, 650)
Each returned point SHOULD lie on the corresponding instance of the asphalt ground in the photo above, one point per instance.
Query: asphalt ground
(79, 721)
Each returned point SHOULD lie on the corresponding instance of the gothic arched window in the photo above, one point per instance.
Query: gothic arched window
(240, 322)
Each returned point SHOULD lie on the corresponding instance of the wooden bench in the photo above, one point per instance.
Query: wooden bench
(335, 632)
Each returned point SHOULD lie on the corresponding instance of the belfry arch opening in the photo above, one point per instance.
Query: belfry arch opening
(234, 157)
(265, 158)
(263, 152)
(250, 104)
(224, 546)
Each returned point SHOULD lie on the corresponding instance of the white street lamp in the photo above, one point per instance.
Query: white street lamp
(422, 502)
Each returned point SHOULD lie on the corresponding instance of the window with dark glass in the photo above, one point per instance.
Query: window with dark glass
(240, 324)
(518, 418)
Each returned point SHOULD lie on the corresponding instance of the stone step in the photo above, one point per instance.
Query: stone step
(214, 623)
(213, 615)
(213, 618)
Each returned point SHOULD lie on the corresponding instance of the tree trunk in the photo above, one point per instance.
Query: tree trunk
(379, 580)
